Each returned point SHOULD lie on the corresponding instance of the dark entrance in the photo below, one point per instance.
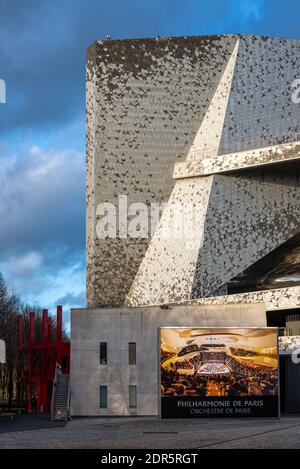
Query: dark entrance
(288, 322)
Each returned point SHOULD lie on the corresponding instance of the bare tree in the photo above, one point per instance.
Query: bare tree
(9, 309)
(25, 310)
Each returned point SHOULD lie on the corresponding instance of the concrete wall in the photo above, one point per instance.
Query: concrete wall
(118, 327)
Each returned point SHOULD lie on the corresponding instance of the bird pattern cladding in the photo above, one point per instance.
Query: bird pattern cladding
(192, 108)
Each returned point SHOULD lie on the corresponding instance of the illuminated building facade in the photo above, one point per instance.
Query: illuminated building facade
(206, 122)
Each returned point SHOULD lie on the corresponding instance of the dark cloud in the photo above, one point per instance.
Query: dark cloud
(43, 44)
(42, 236)
(42, 60)
(42, 55)
(42, 201)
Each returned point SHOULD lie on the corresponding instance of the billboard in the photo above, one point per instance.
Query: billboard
(218, 372)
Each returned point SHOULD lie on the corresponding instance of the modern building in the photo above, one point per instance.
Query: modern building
(193, 205)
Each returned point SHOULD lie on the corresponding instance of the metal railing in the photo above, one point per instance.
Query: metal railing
(58, 371)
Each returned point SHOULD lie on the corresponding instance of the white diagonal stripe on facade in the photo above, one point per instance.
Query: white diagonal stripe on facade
(208, 138)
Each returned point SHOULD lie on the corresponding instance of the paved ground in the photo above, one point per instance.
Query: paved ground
(20, 423)
(149, 432)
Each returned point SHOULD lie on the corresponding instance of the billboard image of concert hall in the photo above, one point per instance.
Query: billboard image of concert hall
(219, 372)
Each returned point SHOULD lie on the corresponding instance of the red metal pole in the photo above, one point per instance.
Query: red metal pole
(38, 407)
(43, 380)
(31, 355)
(29, 394)
(31, 328)
(49, 330)
(59, 324)
(59, 335)
(45, 326)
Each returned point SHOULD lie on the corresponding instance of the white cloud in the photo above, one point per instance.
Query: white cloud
(247, 10)
(42, 199)
(23, 265)
(42, 234)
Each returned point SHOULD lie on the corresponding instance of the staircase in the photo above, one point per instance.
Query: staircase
(60, 405)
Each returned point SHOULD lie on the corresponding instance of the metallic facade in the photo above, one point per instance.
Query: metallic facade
(204, 119)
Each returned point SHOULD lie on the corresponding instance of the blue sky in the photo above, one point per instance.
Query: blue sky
(42, 125)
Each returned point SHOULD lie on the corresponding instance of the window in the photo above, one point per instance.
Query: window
(103, 353)
(132, 353)
(132, 397)
(103, 397)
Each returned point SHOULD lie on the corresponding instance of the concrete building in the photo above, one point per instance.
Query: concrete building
(119, 327)
(209, 123)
